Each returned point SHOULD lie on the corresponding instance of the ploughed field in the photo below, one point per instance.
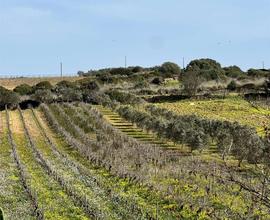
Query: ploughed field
(78, 161)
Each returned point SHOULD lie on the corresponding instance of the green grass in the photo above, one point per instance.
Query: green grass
(81, 184)
(51, 197)
(13, 198)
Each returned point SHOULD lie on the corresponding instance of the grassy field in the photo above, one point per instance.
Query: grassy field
(230, 109)
(11, 83)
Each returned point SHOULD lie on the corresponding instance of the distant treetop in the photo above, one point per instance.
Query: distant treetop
(207, 68)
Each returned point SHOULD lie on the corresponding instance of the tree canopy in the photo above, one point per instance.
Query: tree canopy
(207, 68)
(169, 69)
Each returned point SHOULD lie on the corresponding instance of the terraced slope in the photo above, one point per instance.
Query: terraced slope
(133, 131)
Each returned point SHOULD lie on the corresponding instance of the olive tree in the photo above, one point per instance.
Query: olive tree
(191, 82)
(8, 97)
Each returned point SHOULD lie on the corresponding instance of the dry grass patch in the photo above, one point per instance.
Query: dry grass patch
(11, 83)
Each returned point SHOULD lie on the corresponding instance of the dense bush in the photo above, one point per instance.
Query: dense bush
(8, 97)
(232, 86)
(65, 84)
(123, 97)
(234, 72)
(44, 85)
(258, 73)
(157, 80)
(69, 95)
(88, 84)
(207, 69)
(106, 78)
(121, 71)
(136, 69)
(24, 89)
(44, 96)
(169, 69)
(67, 91)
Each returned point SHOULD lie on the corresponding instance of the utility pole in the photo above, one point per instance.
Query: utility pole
(263, 64)
(183, 62)
(125, 61)
(61, 69)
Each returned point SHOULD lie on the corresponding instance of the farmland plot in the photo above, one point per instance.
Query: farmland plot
(86, 162)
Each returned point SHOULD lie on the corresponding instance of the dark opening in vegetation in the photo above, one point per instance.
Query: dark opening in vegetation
(29, 103)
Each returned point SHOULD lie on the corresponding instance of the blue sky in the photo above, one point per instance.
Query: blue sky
(35, 35)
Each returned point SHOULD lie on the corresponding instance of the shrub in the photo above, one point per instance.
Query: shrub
(169, 69)
(123, 97)
(191, 81)
(106, 78)
(65, 84)
(234, 72)
(43, 96)
(157, 81)
(121, 71)
(141, 84)
(89, 84)
(69, 95)
(232, 86)
(8, 97)
(23, 89)
(207, 69)
(137, 69)
(258, 73)
(44, 85)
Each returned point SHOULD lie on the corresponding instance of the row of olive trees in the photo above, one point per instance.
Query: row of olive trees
(198, 133)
